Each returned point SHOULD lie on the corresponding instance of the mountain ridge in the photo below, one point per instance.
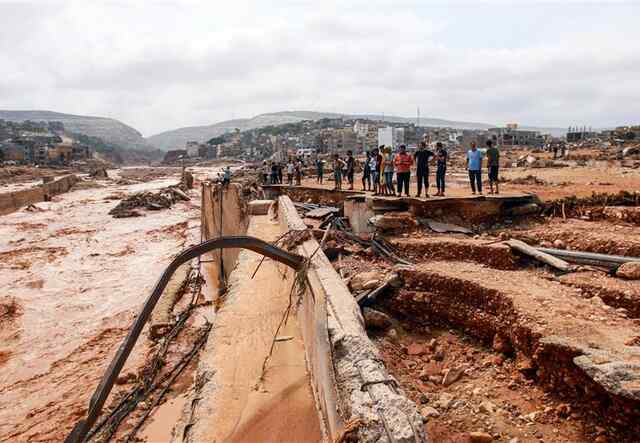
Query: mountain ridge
(108, 129)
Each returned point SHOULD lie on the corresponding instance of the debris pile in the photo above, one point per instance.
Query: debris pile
(592, 207)
(528, 180)
(9, 309)
(99, 173)
(150, 200)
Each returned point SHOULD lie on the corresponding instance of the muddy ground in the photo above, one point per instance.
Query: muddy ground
(464, 331)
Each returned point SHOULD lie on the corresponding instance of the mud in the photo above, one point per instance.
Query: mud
(78, 277)
(420, 247)
(603, 237)
(552, 337)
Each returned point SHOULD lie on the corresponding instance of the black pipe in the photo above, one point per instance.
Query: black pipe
(611, 261)
(82, 428)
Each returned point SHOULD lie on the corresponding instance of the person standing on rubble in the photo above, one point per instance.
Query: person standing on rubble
(474, 166)
(280, 167)
(290, 171)
(366, 173)
(298, 172)
(351, 169)
(274, 173)
(319, 170)
(226, 176)
(338, 165)
(493, 166)
(441, 167)
(375, 163)
(265, 173)
(403, 163)
(388, 171)
(422, 156)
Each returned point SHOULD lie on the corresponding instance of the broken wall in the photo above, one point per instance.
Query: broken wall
(224, 212)
(12, 201)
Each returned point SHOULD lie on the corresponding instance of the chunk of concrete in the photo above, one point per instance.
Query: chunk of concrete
(375, 319)
(260, 207)
(359, 281)
(394, 220)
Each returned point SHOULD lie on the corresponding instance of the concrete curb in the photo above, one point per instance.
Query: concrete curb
(367, 393)
(13, 201)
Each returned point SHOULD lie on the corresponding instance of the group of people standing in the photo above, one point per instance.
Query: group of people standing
(382, 164)
(474, 166)
(272, 172)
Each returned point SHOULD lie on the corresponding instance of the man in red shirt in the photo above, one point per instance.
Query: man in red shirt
(403, 162)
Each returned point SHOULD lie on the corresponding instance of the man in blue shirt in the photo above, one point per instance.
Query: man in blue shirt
(474, 165)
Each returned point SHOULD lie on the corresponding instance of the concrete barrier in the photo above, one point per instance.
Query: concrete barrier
(350, 381)
(12, 201)
(224, 211)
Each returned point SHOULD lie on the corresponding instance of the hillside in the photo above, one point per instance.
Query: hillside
(178, 137)
(110, 130)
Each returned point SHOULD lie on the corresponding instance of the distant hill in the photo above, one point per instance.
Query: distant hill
(177, 138)
(110, 130)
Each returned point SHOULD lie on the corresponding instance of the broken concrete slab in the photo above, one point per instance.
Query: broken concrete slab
(260, 207)
(442, 228)
(322, 212)
(393, 221)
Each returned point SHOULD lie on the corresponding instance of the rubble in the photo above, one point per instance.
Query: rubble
(150, 200)
(99, 173)
(375, 319)
(394, 220)
(629, 271)
(358, 281)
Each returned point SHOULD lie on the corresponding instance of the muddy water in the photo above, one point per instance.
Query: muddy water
(78, 276)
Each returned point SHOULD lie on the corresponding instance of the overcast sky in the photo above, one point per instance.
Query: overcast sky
(162, 65)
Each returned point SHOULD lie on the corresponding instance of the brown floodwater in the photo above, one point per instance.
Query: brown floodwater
(78, 277)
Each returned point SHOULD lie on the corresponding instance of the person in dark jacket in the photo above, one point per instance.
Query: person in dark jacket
(493, 166)
(366, 173)
(351, 168)
(441, 168)
(422, 156)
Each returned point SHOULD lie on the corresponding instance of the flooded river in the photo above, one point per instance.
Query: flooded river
(74, 278)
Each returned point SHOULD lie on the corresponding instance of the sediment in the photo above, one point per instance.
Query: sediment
(570, 345)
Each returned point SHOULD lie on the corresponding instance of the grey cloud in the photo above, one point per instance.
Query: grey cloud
(159, 66)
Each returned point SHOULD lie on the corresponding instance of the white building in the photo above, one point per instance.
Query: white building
(192, 149)
(390, 136)
(398, 137)
(360, 128)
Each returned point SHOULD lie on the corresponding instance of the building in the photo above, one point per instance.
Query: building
(61, 153)
(12, 152)
(175, 155)
(579, 134)
(390, 136)
(627, 132)
(511, 136)
(80, 152)
(385, 136)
